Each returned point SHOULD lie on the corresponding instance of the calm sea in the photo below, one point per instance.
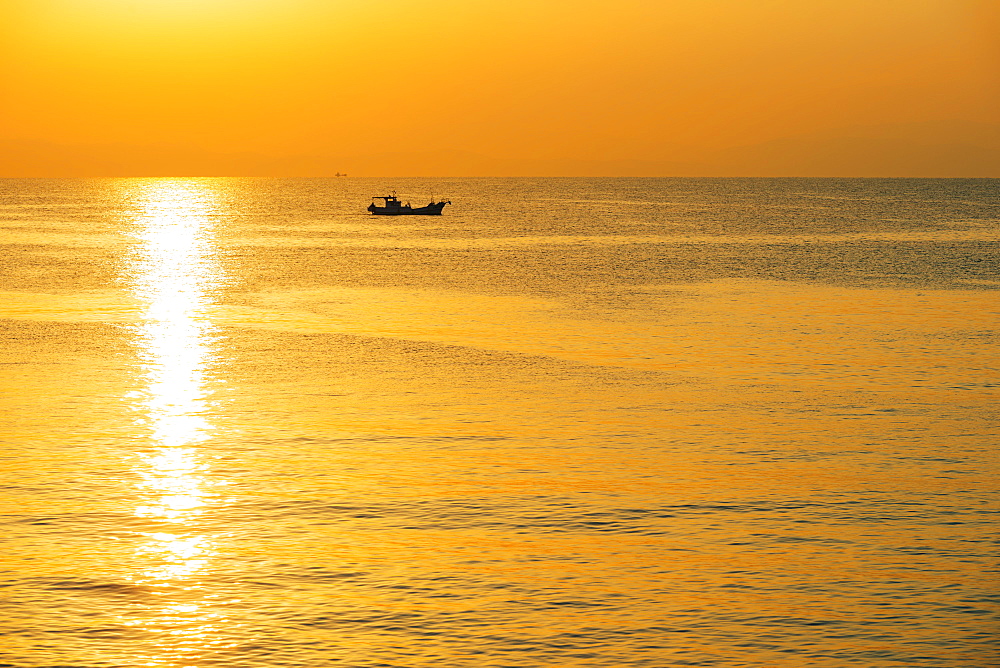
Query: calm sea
(569, 423)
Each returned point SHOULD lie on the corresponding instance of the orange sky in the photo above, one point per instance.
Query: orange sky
(518, 79)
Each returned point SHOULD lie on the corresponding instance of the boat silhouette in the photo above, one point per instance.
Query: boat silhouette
(393, 207)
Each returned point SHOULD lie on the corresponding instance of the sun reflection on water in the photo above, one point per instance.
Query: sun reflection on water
(174, 275)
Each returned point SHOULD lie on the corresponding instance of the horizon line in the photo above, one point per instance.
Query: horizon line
(484, 176)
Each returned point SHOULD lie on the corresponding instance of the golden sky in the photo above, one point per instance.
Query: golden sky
(517, 79)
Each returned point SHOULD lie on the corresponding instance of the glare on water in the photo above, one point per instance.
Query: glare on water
(174, 275)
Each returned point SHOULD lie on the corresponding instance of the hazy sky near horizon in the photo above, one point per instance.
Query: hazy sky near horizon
(590, 79)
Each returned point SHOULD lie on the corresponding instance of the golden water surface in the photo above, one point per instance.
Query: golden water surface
(247, 425)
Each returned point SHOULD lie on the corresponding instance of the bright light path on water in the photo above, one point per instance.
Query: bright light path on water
(174, 276)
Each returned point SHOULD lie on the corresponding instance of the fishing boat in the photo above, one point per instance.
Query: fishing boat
(393, 207)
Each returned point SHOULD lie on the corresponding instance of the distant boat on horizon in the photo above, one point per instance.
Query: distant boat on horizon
(393, 207)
